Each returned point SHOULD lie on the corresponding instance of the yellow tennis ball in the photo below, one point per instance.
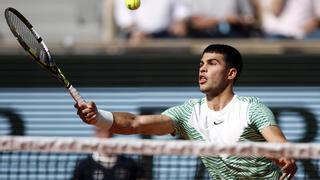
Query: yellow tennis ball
(133, 4)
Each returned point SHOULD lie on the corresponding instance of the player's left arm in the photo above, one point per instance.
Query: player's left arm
(263, 119)
(274, 134)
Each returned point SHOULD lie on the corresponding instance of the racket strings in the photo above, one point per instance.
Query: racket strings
(26, 35)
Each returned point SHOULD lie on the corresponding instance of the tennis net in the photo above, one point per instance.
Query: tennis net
(58, 158)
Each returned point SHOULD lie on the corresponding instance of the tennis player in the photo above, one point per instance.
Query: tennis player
(221, 117)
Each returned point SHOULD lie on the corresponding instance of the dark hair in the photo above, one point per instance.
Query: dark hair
(232, 56)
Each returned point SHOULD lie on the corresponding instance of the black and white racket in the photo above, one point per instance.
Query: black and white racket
(32, 43)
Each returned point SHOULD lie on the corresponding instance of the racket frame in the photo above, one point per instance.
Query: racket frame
(52, 67)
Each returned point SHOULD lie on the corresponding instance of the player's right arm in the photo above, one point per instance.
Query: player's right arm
(125, 123)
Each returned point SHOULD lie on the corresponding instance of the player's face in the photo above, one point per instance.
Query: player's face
(213, 74)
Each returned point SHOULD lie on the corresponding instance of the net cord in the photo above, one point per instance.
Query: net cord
(156, 147)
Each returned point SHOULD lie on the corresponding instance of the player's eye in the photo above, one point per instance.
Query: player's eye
(213, 62)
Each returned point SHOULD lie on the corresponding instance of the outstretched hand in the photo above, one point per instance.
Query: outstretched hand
(87, 112)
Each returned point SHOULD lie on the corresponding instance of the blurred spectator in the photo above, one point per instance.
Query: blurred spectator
(226, 19)
(154, 19)
(103, 167)
(290, 19)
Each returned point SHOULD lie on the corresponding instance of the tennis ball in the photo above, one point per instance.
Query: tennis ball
(132, 4)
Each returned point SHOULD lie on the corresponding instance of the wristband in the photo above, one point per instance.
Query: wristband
(104, 119)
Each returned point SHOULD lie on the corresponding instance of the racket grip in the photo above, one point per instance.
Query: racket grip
(75, 95)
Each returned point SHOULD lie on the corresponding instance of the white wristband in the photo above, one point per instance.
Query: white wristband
(104, 119)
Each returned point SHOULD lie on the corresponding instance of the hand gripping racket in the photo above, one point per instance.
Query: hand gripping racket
(33, 44)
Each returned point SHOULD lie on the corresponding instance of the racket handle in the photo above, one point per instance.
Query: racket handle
(75, 95)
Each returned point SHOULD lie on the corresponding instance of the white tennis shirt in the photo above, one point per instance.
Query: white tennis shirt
(240, 120)
(213, 125)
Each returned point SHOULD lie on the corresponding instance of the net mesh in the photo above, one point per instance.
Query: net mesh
(72, 158)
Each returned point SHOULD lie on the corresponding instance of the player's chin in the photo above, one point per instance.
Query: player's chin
(203, 88)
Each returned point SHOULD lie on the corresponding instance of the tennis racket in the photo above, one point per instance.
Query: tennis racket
(34, 45)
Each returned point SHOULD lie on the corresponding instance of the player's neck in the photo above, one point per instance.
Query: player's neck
(217, 103)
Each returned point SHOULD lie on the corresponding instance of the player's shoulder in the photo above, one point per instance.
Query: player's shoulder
(193, 102)
(248, 99)
(254, 103)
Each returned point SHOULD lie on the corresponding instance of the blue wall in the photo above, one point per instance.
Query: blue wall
(50, 112)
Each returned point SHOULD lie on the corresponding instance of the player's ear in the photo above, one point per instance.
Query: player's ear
(232, 73)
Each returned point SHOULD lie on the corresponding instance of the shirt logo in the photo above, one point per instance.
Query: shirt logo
(217, 122)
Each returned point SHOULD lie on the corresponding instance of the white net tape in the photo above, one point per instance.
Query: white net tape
(156, 147)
